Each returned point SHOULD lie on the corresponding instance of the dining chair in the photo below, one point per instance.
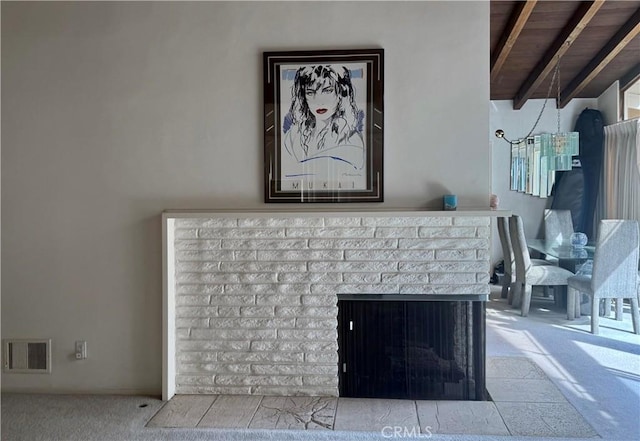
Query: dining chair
(509, 259)
(605, 308)
(619, 302)
(558, 225)
(528, 274)
(615, 272)
(507, 253)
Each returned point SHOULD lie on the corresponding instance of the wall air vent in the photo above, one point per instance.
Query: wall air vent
(27, 356)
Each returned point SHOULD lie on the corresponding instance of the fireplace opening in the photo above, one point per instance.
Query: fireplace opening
(430, 348)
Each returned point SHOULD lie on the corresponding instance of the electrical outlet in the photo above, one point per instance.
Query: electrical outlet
(81, 349)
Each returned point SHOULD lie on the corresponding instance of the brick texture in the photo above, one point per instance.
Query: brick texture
(256, 298)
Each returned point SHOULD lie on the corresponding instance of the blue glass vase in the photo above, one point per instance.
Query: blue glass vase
(578, 240)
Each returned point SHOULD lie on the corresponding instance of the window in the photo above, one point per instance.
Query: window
(631, 101)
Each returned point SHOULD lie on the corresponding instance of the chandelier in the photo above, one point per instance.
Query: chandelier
(535, 158)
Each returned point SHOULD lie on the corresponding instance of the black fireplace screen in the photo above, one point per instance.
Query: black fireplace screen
(411, 349)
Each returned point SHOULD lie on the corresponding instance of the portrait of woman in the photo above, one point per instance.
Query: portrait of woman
(323, 125)
(323, 129)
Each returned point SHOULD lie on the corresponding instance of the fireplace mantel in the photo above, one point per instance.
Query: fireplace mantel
(250, 296)
(339, 212)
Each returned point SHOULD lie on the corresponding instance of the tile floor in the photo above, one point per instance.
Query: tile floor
(524, 402)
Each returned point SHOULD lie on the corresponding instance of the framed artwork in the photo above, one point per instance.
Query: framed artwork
(323, 126)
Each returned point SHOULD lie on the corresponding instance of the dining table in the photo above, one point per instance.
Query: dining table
(569, 257)
(577, 259)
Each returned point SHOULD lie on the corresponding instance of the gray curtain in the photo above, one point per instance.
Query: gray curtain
(619, 196)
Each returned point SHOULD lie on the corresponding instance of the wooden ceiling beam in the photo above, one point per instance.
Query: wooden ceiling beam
(630, 77)
(610, 50)
(583, 15)
(517, 20)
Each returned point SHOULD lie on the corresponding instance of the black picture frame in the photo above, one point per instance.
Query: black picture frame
(324, 126)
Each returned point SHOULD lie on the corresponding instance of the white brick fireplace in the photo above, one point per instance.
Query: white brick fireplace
(250, 298)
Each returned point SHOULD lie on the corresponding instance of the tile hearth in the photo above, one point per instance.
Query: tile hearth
(525, 403)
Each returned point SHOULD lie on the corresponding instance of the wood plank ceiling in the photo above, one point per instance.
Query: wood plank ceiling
(597, 42)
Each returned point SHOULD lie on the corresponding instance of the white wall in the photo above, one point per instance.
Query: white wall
(517, 124)
(609, 104)
(113, 112)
